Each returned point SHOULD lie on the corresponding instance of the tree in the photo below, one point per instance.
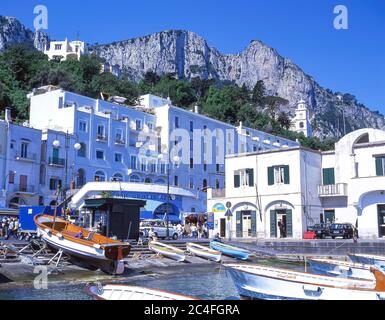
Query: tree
(151, 79)
(284, 120)
(272, 104)
(258, 93)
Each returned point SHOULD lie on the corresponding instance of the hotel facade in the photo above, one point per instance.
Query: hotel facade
(302, 187)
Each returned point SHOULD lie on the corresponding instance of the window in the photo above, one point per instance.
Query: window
(328, 176)
(83, 126)
(278, 175)
(54, 183)
(191, 126)
(191, 163)
(301, 125)
(150, 125)
(118, 157)
(204, 130)
(57, 46)
(191, 183)
(119, 136)
(138, 125)
(217, 167)
(143, 166)
(204, 166)
(100, 154)
(380, 166)
(11, 177)
(133, 162)
(176, 181)
(24, 150)
(176, 122)
(100, 176)
(204, 185)
(117, 177)
(101, 135)
(244, 177)
(134, 178)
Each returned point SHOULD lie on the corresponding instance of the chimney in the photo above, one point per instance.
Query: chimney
(8, 117)
(240, 124)
(196, 109)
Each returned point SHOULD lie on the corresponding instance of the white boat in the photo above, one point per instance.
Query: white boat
(204, 252)
(367, 259)
(259, 282)
(123, 292)
(167, 250)
(340, 268)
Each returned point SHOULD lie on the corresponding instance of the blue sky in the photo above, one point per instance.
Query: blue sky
(351, 60)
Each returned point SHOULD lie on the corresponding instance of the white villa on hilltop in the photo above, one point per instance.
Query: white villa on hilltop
(302, 187)
(64, 50)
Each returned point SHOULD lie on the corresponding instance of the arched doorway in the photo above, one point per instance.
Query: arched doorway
(147, 180)
(16, 202)
(134, 178)
(246, 219)
(280, 215)
(117, 177)
(100, 176)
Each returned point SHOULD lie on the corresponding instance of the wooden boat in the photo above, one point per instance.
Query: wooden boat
(231, 251)
(123, 292)
(259, 282)
(367, 259)
(340, 268)
(86, 249)
(204, 252)
(167, 250)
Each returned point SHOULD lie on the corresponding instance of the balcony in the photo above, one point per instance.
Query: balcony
(218, 193)
(101, 137)
(52, 161)
(21, 188)
(120, 142)
(333, 190)
(25, 156)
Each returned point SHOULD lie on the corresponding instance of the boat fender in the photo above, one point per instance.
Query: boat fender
(60, 236)
(311, 288)
(96, 246)
(48, 231)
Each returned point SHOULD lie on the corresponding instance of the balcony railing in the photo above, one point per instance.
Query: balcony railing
(52, 161)
(101, 137)
(25, 156)
(120, 141)
(23, 188)
(333, 190)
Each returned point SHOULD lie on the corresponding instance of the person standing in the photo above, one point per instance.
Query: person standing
(281, 229)
(10, 228)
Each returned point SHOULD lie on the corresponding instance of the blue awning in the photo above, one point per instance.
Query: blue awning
(146, 215)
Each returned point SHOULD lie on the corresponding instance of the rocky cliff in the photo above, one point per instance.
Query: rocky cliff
(188, 55)
(12, 31)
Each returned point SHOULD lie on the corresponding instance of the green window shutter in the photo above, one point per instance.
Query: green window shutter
(270, 176)
(237, 181)
(328, 177)
(289, 223)
(286, 175)
(273, 224)
(250, 172)
(253, 223)
(238, 216)
(379, 166)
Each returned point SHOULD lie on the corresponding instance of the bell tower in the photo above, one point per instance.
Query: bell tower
(301, 121)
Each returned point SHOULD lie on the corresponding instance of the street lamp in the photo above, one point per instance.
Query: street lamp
(77, 146)
(176, 160)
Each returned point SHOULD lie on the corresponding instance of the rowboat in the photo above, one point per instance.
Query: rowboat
(167, 251)
(204, 252)
(367, 259)
(231, 251)
(85, 248)
(123, 292)
(259, 282)
(340, 268)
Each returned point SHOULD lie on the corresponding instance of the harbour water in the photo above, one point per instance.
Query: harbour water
(212, 284)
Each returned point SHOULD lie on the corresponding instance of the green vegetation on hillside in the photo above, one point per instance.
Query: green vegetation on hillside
(22, 69)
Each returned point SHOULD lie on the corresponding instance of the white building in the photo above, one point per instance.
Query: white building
(63, 50)
(302, 187)
(134, 143)
(301, 121)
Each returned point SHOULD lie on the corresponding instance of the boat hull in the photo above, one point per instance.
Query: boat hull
(256, 286)
(367, 259)
(81, 255)
(216, 257)
(171, 254)
(341, 269)
(123, 292)
(230, 251)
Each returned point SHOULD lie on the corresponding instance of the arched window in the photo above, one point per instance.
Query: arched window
(117, 177)
(204, 185)
(100, 176)
(148, 180)
(134, 178)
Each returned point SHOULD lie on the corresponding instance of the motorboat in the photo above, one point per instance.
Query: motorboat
(341, 268)
(204, 252)
(85, 248)
(260, 282)
(124, 292)
(167, 250)
(367, 259)
(230, 250)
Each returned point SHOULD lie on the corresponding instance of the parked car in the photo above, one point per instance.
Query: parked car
(344, 230)
(321, 230)
(160, 229)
